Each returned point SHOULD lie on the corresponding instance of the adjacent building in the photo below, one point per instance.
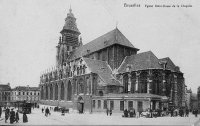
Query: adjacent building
(5, 90)
(188, 98)
(25, 93)
(108, 72)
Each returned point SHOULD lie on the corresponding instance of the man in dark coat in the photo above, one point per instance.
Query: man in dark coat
(110, 112)
(195, 112)
(17, 117)
(125, 113)
(6, 115)
(186, 112)
(172, 112)
(12, 116)
(42, 110)
(25, 118)
(46, 111)
(107, 111)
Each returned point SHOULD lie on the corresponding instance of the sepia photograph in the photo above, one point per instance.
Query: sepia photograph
(100, 62)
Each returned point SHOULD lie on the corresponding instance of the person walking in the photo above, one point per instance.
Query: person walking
(46, 111)
(17, 116)
(6, 115)
(107, 111)
(12, 116)
(25, 118)
(186, 112)
(110, 112)
(42, 110)
(172, 112)
(125, 113)
(196, 112)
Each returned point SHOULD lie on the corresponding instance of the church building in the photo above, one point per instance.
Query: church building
(108, 72)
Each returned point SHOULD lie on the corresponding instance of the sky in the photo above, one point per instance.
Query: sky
(30, 30)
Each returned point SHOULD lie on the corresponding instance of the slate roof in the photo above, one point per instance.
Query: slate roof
(4, 87)
(24, 88)
(108, 39)
(103, 70)
(170, 65)
(140, 61)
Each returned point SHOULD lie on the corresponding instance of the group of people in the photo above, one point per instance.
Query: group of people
(181, 112)
(47, 111)
(129, 113)
(14, 116)
(109, 112)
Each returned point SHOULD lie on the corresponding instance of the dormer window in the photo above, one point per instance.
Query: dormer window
(105, 43)
(81, 61)
(88, 51)
(128, 67)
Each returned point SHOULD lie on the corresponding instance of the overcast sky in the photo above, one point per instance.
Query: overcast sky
(29, 32)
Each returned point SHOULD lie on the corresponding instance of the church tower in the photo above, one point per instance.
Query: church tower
(69, 39)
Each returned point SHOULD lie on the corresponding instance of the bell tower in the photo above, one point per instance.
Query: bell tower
(69, 39)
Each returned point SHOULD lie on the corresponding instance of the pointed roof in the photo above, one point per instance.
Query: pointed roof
(108, 39)
(141, 61)
(70, 23)
(103, 70)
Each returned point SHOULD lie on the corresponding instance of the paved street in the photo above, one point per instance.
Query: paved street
(38, 118)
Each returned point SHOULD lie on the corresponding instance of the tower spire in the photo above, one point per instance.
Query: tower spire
(70, 9)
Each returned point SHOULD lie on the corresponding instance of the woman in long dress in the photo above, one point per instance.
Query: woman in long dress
(25, 119)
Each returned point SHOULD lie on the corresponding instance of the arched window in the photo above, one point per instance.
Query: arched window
(42, 93)
(62, 93)
(51, 90)
(143, 82)
(46, 92)
(77, 70)
(69, 92)
(80, 70)
(81, 86)
(56, 92)
(125, 83)
(157, 83)
(133, 82)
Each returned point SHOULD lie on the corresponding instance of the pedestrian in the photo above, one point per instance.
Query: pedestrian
(63, 112)
(110, 112)
(42, 110)
(17, 116)
(186, 112)
(0, 111)
(6, 115)
(172, 112)
(196, 112)
(137, 114)
(107, 111)
(131, 113)
(12, 116)
(25, 118)
(125, 113)
(46, 111)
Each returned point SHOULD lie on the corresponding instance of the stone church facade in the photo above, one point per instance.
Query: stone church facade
(109, 73)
